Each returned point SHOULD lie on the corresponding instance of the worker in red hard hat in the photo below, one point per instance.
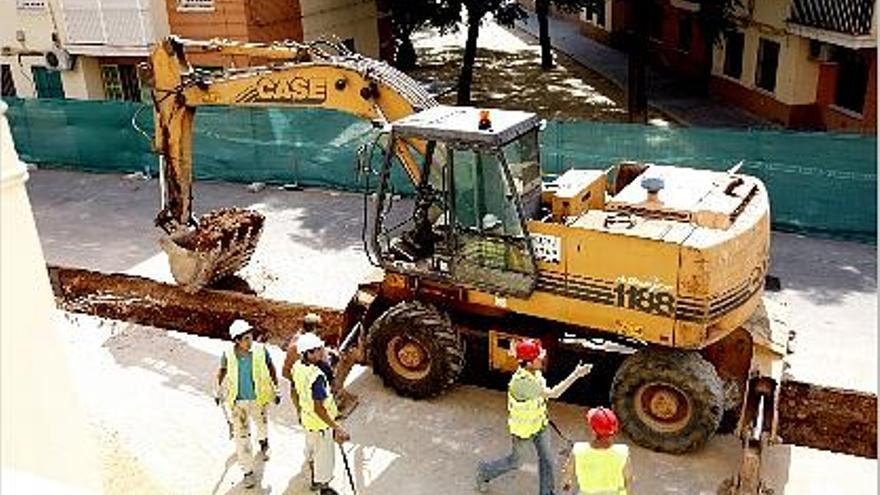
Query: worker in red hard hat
(527, 396)
(600, 466)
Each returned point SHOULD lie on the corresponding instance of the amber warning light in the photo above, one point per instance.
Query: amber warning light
(485, 123)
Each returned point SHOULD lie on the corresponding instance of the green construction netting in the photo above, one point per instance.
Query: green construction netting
(819, 183)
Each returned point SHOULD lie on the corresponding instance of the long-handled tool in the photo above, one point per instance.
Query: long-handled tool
(225, 415)
(347, 469)
(569, 444)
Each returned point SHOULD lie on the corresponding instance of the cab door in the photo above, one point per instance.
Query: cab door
(491, 248)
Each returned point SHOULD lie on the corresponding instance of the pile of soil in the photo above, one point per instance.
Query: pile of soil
(828, 418)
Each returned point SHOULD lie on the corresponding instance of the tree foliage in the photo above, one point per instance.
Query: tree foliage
(505, 12)
(409, 16)
(717, 18)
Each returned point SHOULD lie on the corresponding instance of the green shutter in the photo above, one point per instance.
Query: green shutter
(48, 83)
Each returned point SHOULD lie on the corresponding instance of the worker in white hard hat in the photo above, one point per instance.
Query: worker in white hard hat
(250, 385)
(317, 411)
(346, 401)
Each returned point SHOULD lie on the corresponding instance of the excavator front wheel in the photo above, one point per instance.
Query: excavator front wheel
(668, 400)
(415, 350)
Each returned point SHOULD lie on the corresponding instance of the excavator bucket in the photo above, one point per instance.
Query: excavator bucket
(220, 245)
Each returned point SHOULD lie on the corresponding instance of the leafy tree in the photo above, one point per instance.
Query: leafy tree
(716, 18)
(408, 16)
(505, 12)
(542, 9)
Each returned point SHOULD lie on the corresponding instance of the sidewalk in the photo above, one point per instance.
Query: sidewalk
(665, 93)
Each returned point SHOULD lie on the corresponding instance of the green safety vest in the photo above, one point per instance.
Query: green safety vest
(495, 254)
(486, 252)
(263, 385)
(526, 417)
(600, 471)
(304, 375)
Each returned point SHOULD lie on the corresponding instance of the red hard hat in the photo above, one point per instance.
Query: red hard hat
(603, 421)
(528, 349)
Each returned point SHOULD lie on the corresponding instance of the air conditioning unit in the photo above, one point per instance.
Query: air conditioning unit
(59, 59)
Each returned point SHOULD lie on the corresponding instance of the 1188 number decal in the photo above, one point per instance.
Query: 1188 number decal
(644, 298)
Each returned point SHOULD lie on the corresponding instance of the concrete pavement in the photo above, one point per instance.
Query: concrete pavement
(666, 93)
(168, 437)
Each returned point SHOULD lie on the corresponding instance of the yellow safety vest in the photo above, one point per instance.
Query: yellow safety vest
(263, 385)
(600, 471)
(526, 417)
(304, 375)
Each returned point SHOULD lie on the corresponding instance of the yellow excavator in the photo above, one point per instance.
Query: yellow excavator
(664, 265)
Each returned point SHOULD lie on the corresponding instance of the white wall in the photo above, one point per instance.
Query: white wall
(344, 19)
(796, 75)
(38, 26)
(46, 444)
(84, 81)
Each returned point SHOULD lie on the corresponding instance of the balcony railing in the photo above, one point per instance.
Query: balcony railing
(121, 23)
(851, 17)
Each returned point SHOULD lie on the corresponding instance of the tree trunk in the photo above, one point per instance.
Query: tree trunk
(636, 97)
(406, 53)
(467, 63)
(542, 9)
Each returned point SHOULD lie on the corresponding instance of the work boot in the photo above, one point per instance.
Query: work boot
(480, 483)
(322, 489)
(264, 449)
(249, 480)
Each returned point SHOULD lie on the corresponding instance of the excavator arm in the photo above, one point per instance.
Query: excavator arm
(292, 75)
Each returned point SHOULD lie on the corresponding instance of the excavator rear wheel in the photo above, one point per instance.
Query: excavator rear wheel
(668, 400)
(415, 350)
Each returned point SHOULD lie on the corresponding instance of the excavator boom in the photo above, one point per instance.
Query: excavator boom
(314, 75)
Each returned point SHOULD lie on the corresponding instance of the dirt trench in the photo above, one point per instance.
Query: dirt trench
(207, 312)
(826, 418)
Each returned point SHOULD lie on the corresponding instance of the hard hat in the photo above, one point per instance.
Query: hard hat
(528, 349)
(603, 421)
(238, 328)
(308, 342)
(312, 319)
(490, 221)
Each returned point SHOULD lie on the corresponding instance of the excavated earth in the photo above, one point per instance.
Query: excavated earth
(207, 313)
(828, 418)
(220, 228)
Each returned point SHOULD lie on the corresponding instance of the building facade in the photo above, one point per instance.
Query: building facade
(91, 49)
(804, 64)
(87, 49)
(355, 23)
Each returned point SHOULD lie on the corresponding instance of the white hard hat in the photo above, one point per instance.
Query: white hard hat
(490, 221)
(307, 342)
(238, 328)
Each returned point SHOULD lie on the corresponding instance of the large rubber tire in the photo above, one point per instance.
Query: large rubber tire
(689, 377)
(433, 331)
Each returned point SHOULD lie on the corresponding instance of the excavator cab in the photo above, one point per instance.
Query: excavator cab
(479, 181)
